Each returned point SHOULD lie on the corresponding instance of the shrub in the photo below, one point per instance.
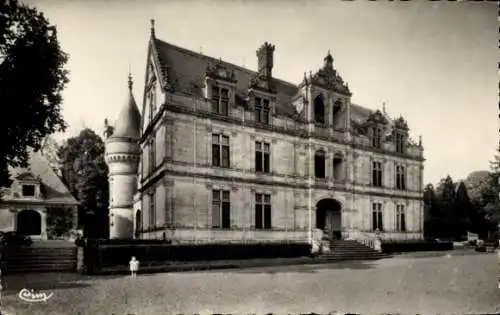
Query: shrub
(99, 254)
(414, 246)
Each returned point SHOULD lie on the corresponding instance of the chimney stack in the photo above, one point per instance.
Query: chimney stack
(265, 60)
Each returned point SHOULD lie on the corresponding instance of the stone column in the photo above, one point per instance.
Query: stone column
(43, 214)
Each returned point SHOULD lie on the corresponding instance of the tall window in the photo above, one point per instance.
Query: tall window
(337, 108)
(220, 101)
(377, 220)
(262, 211)
(221, 213)
(377, 174)
(400, 218)
(262, 110)
(220, 150)
(400, 178)
(262, 155)
(400, 143)
(319, 164)
(377, 137)
(319, 110)
(338, 168)
(152, 154)
(152, 209)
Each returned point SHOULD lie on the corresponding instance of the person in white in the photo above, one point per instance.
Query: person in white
(134, 266)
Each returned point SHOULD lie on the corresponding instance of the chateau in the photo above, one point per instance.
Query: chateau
(226, 154)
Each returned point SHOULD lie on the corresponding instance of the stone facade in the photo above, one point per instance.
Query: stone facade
(232, 155)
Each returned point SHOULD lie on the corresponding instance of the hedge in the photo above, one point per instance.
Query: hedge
(99, 254)
(414, 246)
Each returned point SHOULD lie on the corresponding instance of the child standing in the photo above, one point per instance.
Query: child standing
(134, 266)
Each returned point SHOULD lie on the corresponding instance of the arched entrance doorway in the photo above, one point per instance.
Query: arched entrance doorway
(29, 222)
(329, 216)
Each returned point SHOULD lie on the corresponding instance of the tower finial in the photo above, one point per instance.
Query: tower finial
(153, 28)
(130, 82)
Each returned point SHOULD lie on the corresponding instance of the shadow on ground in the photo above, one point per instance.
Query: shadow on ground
(306, 268)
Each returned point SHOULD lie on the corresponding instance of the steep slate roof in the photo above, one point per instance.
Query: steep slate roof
(54, 190)
(185, 71)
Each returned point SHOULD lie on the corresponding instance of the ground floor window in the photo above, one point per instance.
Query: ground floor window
(377, 222)
(262, 211)
(221, 209)
(400, 218)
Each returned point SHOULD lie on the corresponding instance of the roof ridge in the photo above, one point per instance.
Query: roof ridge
(213, 59)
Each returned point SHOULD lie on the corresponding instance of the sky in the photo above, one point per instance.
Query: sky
(435, 63)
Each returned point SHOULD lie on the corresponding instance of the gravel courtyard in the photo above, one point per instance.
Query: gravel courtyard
(460, 284)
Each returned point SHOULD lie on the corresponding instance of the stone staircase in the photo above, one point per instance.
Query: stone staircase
(351, 250)
(40, 257)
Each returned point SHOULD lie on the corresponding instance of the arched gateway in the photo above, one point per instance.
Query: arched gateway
(328, 215)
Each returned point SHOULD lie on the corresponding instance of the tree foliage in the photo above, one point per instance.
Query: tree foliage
(86, 173)
(32, 77)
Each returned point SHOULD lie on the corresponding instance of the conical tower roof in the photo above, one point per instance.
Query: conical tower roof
(128, 124)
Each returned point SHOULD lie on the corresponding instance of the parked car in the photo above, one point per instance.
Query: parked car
(13, 239)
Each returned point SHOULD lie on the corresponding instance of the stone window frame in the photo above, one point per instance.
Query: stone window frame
(400, 219)
(373, 169)
(376, 136)
(263, 203)
(222, 107)
(221, 84)
(263, 143)
(221, 135)
(377, 214)
(325, 160)
(400, 184)
(399, 142)
(222, 190)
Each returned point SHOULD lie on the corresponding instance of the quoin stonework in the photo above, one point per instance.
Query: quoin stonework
(226, 154)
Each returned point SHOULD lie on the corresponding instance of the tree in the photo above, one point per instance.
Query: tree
(85, 172)
(463, 212)
(32, 77)
(475, 183)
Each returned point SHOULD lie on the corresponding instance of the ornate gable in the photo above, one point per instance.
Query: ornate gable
(377, 118)
(219, 72)
(401, 124)
(263, 84)
(328, 78)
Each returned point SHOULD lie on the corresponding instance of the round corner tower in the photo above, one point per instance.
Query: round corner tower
(122, 157)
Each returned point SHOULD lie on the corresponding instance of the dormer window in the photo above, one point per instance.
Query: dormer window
(400, 143)
(376, 137)
(220, 100)
(28, 190)
(262, 110)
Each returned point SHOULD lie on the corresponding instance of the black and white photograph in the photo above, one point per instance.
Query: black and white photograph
(249, 157)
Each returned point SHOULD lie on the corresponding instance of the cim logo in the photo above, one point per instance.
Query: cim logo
(32, 296)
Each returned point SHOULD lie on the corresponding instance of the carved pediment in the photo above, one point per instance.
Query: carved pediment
(401, 124)
(261, 83)
(26, 177)
(377, 118)
(219, 72)
(328, 78)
